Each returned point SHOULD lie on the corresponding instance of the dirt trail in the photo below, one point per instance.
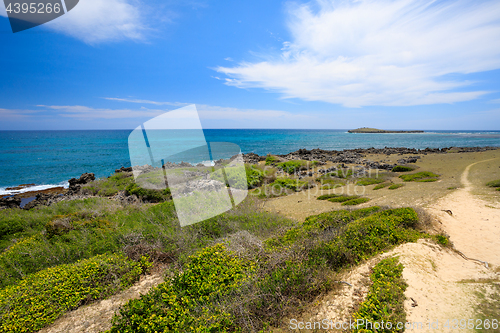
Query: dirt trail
(96, 317)
(437, 290)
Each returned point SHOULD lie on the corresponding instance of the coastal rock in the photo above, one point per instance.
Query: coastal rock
(123, 169)
(10, 202)
(76, 184)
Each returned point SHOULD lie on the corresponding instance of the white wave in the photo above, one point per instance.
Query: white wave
(4, 191)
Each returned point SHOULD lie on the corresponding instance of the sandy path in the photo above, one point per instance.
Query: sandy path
(437, 291)
(96, 317)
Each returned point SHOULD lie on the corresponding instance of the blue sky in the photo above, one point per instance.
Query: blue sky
(393, 64)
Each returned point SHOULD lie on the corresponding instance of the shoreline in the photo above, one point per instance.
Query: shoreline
(24, 191)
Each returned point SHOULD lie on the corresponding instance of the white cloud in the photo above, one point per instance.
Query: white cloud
(144, 101)
(207, 112)
(89, 113)
(380, 52)
(96, 21)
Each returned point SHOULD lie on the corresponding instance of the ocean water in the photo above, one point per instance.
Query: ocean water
(48, 158)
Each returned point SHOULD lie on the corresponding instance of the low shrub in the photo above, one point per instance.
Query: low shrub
(254, 176)
(395, 186)
(296, 165)
(385, 300)
(328, 196)
(344, 198)
(149, 195)
(494, 183)
(423, 176)
(109, 186)
(184, 304)
(402, 168)
(40, 298)
(379, 186)
(293, 184)
(365, 237)
(355, 202)
(270, 160)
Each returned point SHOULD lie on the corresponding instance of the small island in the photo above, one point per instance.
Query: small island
(375, 130)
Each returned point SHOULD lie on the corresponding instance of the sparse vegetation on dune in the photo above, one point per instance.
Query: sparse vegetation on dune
(494, 183)
(380, 186)
(296, 165)
(385, 300)
(423, 176)
(402, 168)
(395, 186)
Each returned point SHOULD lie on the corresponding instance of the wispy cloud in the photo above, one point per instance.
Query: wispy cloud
(380, 52)
(208, 112)
(144, 101)
(89, 113)
(10, 114)
(97, 21)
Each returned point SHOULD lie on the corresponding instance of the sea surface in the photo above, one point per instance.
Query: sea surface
(50, 158)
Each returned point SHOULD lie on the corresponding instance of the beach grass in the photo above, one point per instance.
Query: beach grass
(423, 176)
(380, 186)
(395, 186)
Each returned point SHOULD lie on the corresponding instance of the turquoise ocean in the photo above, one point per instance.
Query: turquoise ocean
(50, 158)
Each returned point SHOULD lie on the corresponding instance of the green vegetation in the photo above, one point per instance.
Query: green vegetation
(370, 181)
(217, 291)
(395, 186)
(148, 195)
(385, 300)
(423, 176)
(185, 304)
(39, 299)
(331, 186)
(344, 198)
(107, 187)
(271, 160)
(280, 187)
(488, 308)
(296, 165)
(402, 168)
(379, 186)
(327, 196)
(254, 176)
(355, 202)
(494, 183)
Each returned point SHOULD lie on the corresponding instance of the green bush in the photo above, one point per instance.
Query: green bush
(148, 194)
(366, 237)
(370, 181)
(385, 300)
(293, 184)
(395, 186)
(254, 176)
(40, 298)
(184, 303)
(379, 186)
(270, 160)
(328, 196)
(296, 165)
(344, 198)
(354, 202)
(402, 168)
(423, 176)
(494, 183)
(83, 238)
(109, 186)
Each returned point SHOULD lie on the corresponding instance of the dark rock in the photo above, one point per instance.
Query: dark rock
(76, 184)
(123, 169)
(10, 202)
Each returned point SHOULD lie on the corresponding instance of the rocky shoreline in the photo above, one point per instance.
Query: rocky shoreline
(31, 199)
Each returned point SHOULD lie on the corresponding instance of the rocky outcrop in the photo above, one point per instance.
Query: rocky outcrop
(10, 202)
(75, 185)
